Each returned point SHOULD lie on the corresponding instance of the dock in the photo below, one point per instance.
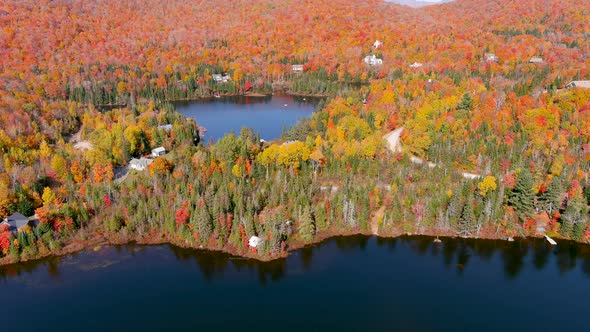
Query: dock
(550, 240)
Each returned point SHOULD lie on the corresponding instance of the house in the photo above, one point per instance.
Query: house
(16, 221)
(490, 57)
(254, 241)
(578, 84)
(289, 142)
(416, 65)
(536, 60)
(158, 151)
(221, 78)
(140, 164)
(377, 44)
(166, 127)
(373, 60)
(297, 68)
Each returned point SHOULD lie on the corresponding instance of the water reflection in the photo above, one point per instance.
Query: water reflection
(214, 265)
(249, 100)
(455, 254)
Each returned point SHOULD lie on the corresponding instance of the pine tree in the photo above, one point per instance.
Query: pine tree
(203, 224)
(573, 220)
(320, 216)
(455, 208)
(466, 103)
(587, 193)
(467, 220)
(522, 197)
(550, 200)
(307, 227)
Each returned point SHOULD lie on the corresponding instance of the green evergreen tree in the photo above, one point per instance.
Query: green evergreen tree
(550, 200)
(455, 208)
(467, 221)
(574, 218)
(466, 103)
(320, 216)
(587, 193)
(203, 223)
(307, 226)
(522, 197)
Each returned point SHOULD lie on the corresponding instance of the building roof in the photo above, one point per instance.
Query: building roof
(373, 60)
(491, 57)
(159, 149)
(140, 163)
(17, 220)
(297, 67)
(166, 127)
(254, 241)
(536, 60)
(579, 84)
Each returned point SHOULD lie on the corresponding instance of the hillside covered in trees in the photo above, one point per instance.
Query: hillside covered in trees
(478, 86)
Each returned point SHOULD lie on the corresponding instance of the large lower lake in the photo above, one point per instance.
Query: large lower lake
(268, 116)
(344, 284)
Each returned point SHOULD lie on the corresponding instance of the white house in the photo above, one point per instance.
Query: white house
(297, 68)
(219, 78)
(158, 151)
(490, 57)
(578, 84)
(373, 60)
(140, 164)
(254, 241)
(416, 65)
(536, 60)
(166, 127)
(377, 44)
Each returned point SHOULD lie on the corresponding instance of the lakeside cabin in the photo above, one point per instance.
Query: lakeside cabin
(373, 60)
(140, 164)
(416, 65)
(160, 151)
(536, 60)
(578, 84)
(297, 68)
(16, 222)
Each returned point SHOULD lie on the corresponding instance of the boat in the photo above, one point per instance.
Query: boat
(550, 240)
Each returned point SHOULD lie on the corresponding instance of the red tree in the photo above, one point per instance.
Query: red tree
(182, 214)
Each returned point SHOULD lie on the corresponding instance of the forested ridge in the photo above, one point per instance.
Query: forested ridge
(102, 73)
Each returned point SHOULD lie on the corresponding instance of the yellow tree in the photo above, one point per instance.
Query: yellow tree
(160, 166)
(48, 197)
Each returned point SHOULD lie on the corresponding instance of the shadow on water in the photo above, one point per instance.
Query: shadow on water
(51, 265)
(455, 254)
(214, 265)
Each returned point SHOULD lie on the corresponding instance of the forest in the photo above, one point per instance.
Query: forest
(85, 86)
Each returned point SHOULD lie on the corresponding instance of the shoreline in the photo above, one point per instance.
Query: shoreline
(100, 240)
(253, 94)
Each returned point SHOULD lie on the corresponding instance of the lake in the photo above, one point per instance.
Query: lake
(268, 116)
(346, 283)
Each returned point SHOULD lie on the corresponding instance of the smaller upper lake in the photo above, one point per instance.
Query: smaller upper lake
(268, 116)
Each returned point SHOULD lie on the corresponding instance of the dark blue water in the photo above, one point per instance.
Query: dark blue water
(351, 284)
(268, 116)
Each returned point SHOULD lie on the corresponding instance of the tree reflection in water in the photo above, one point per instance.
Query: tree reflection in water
(455, 253)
